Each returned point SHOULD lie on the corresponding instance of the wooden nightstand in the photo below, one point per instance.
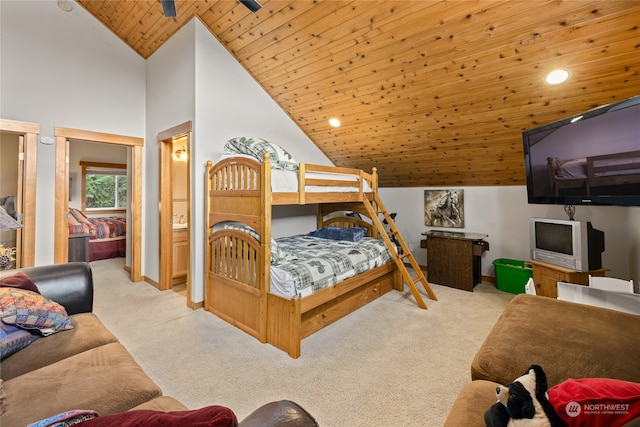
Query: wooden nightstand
(79, 247)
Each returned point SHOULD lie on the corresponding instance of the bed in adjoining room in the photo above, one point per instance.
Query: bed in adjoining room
(107, 235)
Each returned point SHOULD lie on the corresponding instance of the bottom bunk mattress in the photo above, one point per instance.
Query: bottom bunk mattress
(307, 264)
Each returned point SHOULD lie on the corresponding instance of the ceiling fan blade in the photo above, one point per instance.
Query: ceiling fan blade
(252, 5)
(169, 7)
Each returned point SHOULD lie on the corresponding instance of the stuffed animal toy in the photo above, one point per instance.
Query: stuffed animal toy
(523, 403)
(594, 402)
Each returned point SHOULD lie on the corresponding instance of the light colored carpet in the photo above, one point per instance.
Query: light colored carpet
(388, 364)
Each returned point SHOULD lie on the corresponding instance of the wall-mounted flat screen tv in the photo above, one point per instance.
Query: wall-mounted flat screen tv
(591, 158)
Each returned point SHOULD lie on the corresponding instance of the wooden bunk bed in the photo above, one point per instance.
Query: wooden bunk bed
(237, 282)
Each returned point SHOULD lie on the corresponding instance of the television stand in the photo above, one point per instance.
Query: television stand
(546, 277)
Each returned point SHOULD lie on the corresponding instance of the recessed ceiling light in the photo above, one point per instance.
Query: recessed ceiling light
(65, 5)
(334, 122)
(556, 77)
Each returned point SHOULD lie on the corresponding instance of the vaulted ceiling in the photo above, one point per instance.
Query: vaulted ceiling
(430, 92)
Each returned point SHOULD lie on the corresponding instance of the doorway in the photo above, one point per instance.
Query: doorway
(175, 209)
(17, 188)
(134, 217)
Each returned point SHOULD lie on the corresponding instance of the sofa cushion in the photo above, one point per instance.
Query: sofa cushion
(105, 379)
(471, 404)
(566, 339)
(162, 403)
(88, 333)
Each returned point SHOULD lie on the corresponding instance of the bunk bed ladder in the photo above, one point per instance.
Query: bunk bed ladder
(402, 254)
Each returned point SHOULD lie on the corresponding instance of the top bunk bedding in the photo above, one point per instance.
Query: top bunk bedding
(286, 174)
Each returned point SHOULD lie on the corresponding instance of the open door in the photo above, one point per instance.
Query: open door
(25, 188)
(61, 244)
(175, 209)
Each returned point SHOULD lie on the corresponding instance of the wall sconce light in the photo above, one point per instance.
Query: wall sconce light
(181, 153)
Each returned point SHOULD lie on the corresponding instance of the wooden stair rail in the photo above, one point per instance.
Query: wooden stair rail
(399, 256)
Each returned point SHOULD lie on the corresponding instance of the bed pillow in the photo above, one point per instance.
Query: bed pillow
(19, 280)
(79, 216)
(256, 147)
(277, 255)
(32, 311)
(352, 234)
(13, 339)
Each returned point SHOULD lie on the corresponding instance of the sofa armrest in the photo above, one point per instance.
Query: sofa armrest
(70, 285)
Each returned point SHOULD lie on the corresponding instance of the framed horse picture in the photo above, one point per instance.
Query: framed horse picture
(444, 208)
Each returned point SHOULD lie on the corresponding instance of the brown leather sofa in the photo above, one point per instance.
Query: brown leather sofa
(87, 368)
(566, 339)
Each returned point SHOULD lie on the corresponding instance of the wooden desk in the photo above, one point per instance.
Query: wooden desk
(79, 247)
(454, 258)
(546, 277)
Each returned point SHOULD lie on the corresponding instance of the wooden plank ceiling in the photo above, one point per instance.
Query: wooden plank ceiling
(432, 93)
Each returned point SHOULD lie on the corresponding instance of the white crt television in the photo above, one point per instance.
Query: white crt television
(575, 245)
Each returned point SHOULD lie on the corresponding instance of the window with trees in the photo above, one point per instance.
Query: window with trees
(104, 187)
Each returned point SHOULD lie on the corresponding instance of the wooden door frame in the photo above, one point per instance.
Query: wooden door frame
(165, 140)
(29, 132)
(61, 242)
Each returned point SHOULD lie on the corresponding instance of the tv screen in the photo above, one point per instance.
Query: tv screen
(554, 237)
(590, 158)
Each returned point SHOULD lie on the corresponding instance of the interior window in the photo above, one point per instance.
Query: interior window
(104, 187)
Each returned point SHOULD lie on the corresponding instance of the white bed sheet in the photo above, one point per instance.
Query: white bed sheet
(283, 181)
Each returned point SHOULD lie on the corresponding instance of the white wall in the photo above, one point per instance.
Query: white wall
(65, 69)
(170, 102)
(193, 77)
(503, 213)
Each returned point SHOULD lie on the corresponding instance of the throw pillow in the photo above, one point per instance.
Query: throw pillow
(597, 402)
(19, 280)
(30, 310)
(66, 419)
(209, 416)
(352, 234)
(13, 339)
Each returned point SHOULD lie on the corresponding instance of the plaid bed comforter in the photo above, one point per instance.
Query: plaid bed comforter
(314, 263)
